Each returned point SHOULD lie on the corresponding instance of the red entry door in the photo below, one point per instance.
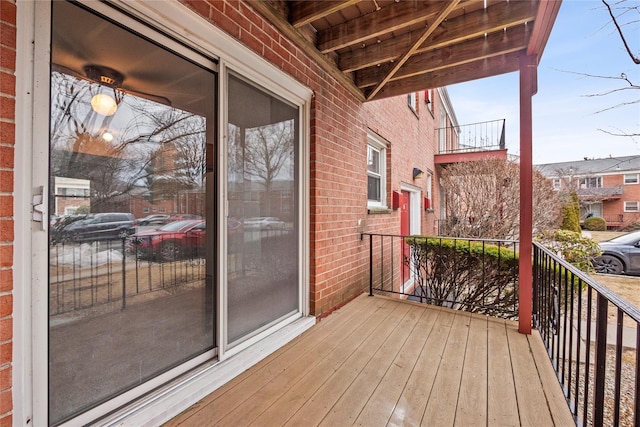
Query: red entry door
(405, 230)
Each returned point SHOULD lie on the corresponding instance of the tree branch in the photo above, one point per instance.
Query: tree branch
(635, 59)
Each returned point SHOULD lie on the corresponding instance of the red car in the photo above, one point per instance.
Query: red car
(172, 241)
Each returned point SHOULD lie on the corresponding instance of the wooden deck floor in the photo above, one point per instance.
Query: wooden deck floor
(378, 361)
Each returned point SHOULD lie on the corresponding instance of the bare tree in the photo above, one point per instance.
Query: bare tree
(616, 12)
(625, 17)
(482, 200)
(159, 148)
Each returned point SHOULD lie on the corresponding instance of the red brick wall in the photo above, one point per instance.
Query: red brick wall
(7, 141)
(630, 193)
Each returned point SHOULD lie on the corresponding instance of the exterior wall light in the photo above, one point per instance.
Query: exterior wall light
(417, 173)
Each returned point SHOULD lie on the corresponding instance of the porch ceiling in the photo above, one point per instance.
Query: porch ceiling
(383, 48)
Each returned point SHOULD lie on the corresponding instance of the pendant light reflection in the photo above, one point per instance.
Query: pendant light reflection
(104, 104)
(107, 136)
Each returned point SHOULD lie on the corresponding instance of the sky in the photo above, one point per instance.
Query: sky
(566, 115)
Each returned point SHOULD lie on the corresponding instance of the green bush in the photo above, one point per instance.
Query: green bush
(571, 214)
(466, 275)
(595, 223)
(572, 247)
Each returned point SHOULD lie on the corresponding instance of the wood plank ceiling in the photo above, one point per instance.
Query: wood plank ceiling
(382, 48)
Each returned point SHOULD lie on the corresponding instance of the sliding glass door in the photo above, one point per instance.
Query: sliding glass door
(263, 229)
(132, 210)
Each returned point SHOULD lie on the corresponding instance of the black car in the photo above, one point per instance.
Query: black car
(620, 255)
(100, 226)
(156, 219)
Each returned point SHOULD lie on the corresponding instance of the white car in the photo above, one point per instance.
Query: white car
(264, 223)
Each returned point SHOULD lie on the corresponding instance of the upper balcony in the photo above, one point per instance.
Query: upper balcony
(471, 142)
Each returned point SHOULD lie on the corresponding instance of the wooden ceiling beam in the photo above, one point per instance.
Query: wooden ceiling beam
(273, 16)
(470, 71)
(495, 44)
(305, 12)
(441, 16)
(391, 18)
(471, 25)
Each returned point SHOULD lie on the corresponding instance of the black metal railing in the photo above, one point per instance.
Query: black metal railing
(112, 272)
(483, 136)
(475, 275)
(593, 353)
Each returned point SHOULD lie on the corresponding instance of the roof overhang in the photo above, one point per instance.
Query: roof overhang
(383, 48)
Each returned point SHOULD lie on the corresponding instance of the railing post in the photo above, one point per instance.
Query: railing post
(601, 359)
(370, 265)
(124, 274)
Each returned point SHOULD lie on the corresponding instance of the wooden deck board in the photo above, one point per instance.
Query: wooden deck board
(472, 401)
(441, 408)
(378, 361)
(532, 404)
(348, 405)
(414, 398)
(385, 397)
(351, 354)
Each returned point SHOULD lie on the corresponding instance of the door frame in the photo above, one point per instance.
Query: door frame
(415, 221)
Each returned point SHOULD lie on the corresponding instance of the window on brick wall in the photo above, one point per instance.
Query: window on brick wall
(557, 183)
(428, 192)
(428, 99)
(376, 171)
(630, 178)
(631, 207)
(591, 182)
(412, 101)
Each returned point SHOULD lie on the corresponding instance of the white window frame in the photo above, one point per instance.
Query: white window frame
(378, 144)
(585, 182)
(442, 136)
(412, 101)
(628, 208)
(429, 189)
(167, 395)
(557, 183)
(634, 180)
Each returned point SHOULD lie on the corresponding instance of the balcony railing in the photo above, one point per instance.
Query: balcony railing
(593, 353)
(592, 337)
(476, 275)
(103, 275)
(483, 136)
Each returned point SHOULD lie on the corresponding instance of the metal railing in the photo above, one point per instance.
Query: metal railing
(475, 275)
(594, 354)
(483, 136)
(103, 273)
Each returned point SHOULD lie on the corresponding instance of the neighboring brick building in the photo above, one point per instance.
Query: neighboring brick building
(260, 122)
(608, 188)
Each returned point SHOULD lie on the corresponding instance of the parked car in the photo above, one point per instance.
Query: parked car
(172, 241)
(156, 219)
(264, 223)
(620, 255)
(180, 217)
(100, 226)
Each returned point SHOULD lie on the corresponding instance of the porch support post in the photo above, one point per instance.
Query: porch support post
(528, 87)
